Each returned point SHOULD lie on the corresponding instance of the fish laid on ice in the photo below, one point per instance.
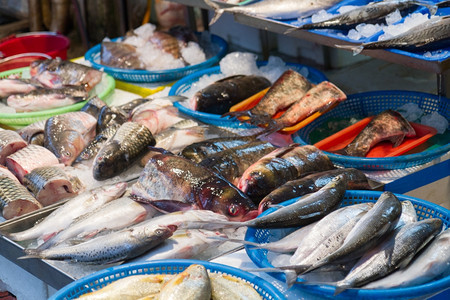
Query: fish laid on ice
(418, 37)
(93, 106)
(109, 248)
(225, 287)
(15, 199)
(29, 158)
(11, 86)
(281, 166)
(175, 139)
(68, 134)
(356, 180)
(110, 116)
(395, 252)
(120, 55)
(432, 263)
(220, 96)
(129, 106)
(10, 142)
(189, 185)
(287, 89)
(64, 215)
(166, 43)
(51, 184)
(275, 9)
(388, 125)
(55, 73)
(43, 99)
(128, 145)
(34, 133)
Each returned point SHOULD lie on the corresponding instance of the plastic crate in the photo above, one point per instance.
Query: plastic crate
(424, 210)
(371, 103)
(168, 266)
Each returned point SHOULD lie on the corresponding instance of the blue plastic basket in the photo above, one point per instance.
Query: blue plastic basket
(219, 45)
(102, 278)
(183, 85)
(371, 103)
(424, 210)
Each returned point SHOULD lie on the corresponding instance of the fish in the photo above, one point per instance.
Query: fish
(10, 142)
(220, 96)
(130, 287)
(114, 215)
(427, 35)
(166, 43)
(433, 262)
(15, 200)
(281, 166)
(51, 184)
(192, 283)
(156, 115)
(317, 99)
(109, 248)
(232, 163)
(408, 215)
(188, 185)
(120, 55)
(287, 89)
(43, 99)
(274, 9)
(34, 133)
(356, 180)
(4, 172)
(365, 14)
(66, 135)
(57, 73)
(386, 126)
(64, 215)
(127, 146)
(93, 106)
(224, 286)
(109, 116)
(198, 151)
(175, 139)
(394, 253)
(130, 105)
(11, 86)
(29, 158)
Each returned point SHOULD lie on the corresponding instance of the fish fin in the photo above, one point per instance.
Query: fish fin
(397, 140)
(236, 114)
(273, 126)
(217, 11)
(432, 8)
(28, 256)
(341, 288)
(355, 48)
(31, 253)
(291, 30)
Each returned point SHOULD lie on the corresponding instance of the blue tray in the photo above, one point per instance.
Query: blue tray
(102, 278)
(220, 47)
(424, 210)
(183, 85)
(371, 103)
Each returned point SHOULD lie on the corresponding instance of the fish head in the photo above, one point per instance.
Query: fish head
(67, 151)
(109, 162)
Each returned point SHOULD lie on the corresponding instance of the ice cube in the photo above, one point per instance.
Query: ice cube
(393, 17)
(239, 63)
(274, 68)
(367, 30)
(435, 120)
(320, 16)
(353, 34)
(145, 31)
(193, 54)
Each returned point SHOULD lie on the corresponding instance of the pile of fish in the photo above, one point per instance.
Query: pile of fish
(195, 282)
(53, 83)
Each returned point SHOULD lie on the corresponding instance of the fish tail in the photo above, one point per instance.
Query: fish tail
(355, 48)
(341, 288)
(432, 8)
(236, 114)
(31, 253)
(217, 11)
(260, 119)
(291, 30)
(272, 127)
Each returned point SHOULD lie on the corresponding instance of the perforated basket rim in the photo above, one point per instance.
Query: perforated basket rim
(133, 269)
(358, 196)
(156, 75)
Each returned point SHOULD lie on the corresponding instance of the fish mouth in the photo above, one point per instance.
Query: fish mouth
(172, 227)
(250, 215)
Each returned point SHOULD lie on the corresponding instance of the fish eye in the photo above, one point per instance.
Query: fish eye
(66, 153)
(158, 231)
(233, 210)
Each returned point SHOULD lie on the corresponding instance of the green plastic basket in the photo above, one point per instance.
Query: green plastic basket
(26, 118)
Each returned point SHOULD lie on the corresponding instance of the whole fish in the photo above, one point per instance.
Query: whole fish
(120, 55)
(114, 215)
(109, 248)
(109, 116)
(68, 134)
(175, 139)
(127, 146)
(225, 287)
(166, 43)
(356, 180)
(408, 215)
(393, 253)
(129, 106)
(34, 133)
(29, 158)
(281, 166)
(43, 99)
(51, 184)
(11, 86)
(220, 96)
(64, 215)
(93, 106)
(366, 14)
(274, 9)
(287, 89)
(319, 98)
(432, 263)
(15, 200)
(232, 163)
(192, 283)
(190, 186)
(423, 36)
(56, 73)
(196, 152)
(10, 142)
(388, 125)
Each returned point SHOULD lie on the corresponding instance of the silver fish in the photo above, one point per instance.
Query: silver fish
(10, 142)
(34, 133)
(60, 218)
(11, 86)
(15, 200)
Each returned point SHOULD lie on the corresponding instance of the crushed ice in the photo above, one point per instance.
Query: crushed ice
(413, 113)
(435, 120)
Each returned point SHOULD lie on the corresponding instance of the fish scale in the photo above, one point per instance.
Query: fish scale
(10, 142)
(15, 200)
